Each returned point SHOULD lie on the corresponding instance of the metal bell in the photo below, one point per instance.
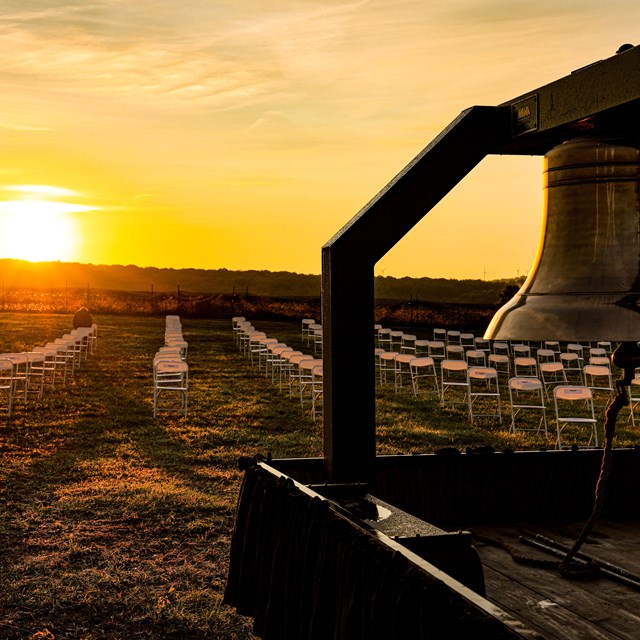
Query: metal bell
(585, 282)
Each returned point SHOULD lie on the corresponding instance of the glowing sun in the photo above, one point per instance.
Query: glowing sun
(38, 227)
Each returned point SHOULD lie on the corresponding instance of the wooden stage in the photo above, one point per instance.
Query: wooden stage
(557, 607)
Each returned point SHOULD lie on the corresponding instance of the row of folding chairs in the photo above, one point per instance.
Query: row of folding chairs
(292, 371)
(171, 371)
(482, 390)
(29, 373)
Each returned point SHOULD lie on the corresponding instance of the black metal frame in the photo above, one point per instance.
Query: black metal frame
(601, 99)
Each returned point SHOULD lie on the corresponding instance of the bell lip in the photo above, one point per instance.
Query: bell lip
(568, 318)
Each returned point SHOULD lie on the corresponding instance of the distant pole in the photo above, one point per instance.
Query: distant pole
(87, 305)
(3, 295)
(66, 292)
(178, 310)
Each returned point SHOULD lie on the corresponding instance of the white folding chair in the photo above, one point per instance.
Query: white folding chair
(552, 374)
(36, 373)
(402, 369)
(454, 352)
(423, 368)
(408, 344)
(295, 374)
(440, 335)
(525, 367)
(574, 405)
(453, 337)
(600, 380)
(453, 382)
(384, 338)
(501, 363)
(396, 341)
(501, 349)
(483, 391)
(20, 374)
(545, 355)
(572, 367)
(171, 378)
(316, 392)
(6, 384)
(520, 351)
(468, 340)
(527, 395)
(387, 361)
(476, 358)
(305, 368)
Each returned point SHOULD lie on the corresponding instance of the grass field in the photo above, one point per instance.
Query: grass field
(114, 524)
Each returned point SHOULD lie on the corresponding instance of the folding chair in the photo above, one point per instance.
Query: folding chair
(35, 374)
(453, 382)
(453, 337)
(396, 340)
(476, 358)
(574, 405)
(520, 351)
(423, 369)
(552, 374)
(295, 373)
(525, 367)
(422, 347)
(387, 366)
(501, 348)
(306, 322)
(316, 392)
(525, 395)
(483, 390)
(468, 340)
(6, 383)
(436, 350)
(402, 369)
(408, 344)
(572, 367)
(440, 335)
(578, 349)
(20, 374)
(171, 377)
(545, 355)
(482, 345)
(317, 340)
(600, 381)
(305, 368)
(384, 339)
(501, 364)
(286, 366)
(454, 352)
(553, 345)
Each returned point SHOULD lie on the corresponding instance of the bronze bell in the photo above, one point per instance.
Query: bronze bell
(585, 282)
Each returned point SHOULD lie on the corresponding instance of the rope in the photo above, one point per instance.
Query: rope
(569, 568)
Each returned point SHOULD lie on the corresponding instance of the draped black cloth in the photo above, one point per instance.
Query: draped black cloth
(303, 571)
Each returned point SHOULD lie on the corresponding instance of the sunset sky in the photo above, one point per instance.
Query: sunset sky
(219, 133)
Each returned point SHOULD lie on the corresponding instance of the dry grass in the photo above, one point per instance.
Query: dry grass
(114, 524)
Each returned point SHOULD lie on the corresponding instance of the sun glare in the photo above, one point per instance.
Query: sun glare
(38, 229)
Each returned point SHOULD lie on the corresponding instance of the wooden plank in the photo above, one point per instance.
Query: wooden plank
(548, 618)
(601, 608)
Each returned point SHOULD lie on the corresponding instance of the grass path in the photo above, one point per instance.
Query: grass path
(114, 524)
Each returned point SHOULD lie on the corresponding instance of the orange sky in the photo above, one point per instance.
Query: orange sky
(244, 134)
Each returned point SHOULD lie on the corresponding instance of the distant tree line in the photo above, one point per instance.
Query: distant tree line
(19, 275)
